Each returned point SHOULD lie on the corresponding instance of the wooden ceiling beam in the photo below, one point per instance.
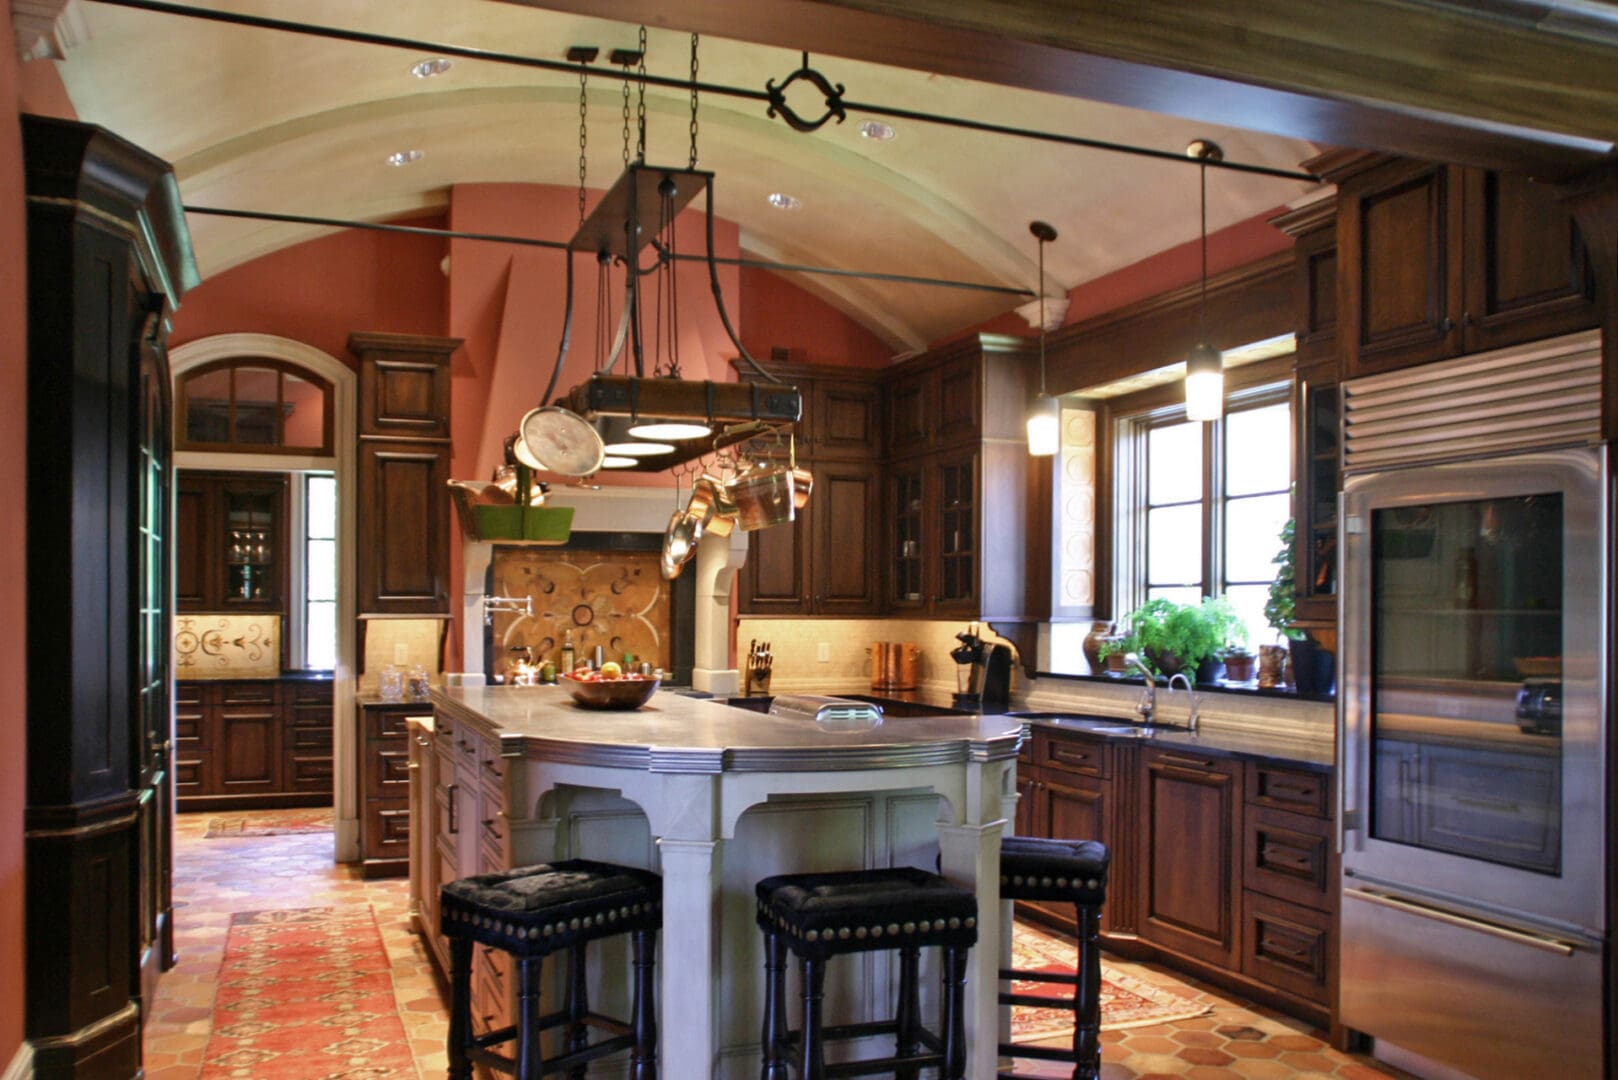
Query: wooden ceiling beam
(1405, 77)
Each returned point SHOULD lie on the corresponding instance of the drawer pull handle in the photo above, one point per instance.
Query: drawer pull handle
(422, 740)
(488, 827)
(1420, 910)
(1285, 855)
(1270, 948)
(489, 765)
(453, 825)
(1175, 759)
(1307, 791)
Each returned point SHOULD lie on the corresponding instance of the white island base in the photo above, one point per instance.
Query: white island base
(715, 799)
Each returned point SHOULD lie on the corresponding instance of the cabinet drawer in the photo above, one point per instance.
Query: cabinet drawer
(1287, 947)
(1072, 753)
(1298, 790)
(188, 727)
(188, 695)
(187, 777)
(491, 769)
(1289, 856)
(310, 773)
(310, 693)
(246, 693)
(387, 772)
(307, 737)
(388, 723)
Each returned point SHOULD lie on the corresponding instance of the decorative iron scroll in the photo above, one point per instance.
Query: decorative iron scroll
(832, 94)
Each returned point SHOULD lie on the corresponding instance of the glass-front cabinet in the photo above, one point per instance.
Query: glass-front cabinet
(230, 541)
(934, 558)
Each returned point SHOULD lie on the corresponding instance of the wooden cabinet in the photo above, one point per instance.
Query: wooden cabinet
(231, 541)
(960, 493)
(1220, 866)
(385, 785)
(820, 564)
(402, 567)
(1192, 854)
(1439, 260)
(253, 743)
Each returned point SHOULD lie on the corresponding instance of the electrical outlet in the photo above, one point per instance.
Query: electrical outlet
(823, 652)
(401, 652)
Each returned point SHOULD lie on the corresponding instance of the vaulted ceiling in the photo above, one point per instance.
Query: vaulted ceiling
(293, 123)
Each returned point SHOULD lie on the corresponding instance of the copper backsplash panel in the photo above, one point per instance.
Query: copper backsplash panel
(618, 600)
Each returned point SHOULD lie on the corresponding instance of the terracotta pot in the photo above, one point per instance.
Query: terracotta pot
(1099, 632)
(1240, 668)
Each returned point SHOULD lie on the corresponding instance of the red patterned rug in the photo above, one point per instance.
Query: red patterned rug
(306, 994)
(1126, 1001)
(271, 824)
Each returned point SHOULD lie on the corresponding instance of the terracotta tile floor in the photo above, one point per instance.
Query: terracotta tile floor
(214, 878)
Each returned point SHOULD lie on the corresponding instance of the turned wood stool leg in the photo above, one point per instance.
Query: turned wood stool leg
(460, 1008)
(578, 1005)
(530, 1058)
(775, 1015)
(907, 1016)
(643, 1025)
(814, 991)
(952, 1016)
(1087, 995)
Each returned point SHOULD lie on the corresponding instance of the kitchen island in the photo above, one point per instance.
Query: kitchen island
(714, 798)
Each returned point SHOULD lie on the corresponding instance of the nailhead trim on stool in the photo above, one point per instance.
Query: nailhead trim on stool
(536, 910)
(1065, 871)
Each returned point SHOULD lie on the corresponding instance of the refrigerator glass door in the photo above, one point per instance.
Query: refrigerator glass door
(1473, 675)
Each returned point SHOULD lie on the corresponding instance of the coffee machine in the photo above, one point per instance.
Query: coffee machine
(984, 674)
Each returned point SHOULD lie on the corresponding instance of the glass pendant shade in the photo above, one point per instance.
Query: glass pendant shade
(1204, 383)
(1044, 426)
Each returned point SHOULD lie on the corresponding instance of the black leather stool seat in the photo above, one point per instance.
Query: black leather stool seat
(825, 915)
(531, 912)
(1067, 871)
(536, 910)
(819, 916)
(1033, 868)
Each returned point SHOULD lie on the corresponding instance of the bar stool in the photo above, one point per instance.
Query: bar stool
(1074, 871)
(530, 913)
(819, 916)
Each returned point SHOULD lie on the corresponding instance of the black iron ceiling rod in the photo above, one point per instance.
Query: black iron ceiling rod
(559, 245)
(645, 79)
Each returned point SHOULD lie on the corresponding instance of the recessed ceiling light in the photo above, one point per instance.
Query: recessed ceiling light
(434, 65)
(876, 129)
(782, 201)
(400, 158)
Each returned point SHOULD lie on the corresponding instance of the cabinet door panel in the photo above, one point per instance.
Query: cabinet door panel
(773, 580)
(955, 506)
(1189, 877)
(248, 758)
(909, 426)
(194, 570)
(907, 582)
(959, 404)
(1527, 272)
(844, 571)
(404, 528)
(847, 420)
(1287, 947)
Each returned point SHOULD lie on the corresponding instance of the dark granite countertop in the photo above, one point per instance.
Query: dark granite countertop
(285, 676)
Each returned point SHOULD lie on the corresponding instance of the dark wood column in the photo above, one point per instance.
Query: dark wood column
(107, 253)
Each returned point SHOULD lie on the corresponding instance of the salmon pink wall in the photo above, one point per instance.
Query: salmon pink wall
(778, 314)
(13, 569)
(1239, 244)
(320, 291)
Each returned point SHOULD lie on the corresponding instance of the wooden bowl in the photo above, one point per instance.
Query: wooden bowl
(624, 692)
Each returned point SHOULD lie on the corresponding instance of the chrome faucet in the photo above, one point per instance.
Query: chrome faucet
(1146, 708)
(1191, 717)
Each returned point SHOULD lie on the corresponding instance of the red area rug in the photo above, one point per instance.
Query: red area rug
(1126, 1001)
(273, 824)
(306, 994)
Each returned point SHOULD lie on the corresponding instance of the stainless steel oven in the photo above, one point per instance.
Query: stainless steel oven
(1472, 750)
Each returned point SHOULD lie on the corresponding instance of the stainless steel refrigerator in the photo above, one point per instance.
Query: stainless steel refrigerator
(1472, 751)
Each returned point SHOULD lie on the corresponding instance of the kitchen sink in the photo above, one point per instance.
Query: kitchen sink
(1098, 725)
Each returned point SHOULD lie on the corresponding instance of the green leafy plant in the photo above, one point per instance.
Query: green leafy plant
(1278, 608)
(1122, 643)
(1180, 636)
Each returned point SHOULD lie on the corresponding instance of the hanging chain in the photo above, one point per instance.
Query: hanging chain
(584, 78)
(693, 101)
(640, 104)
(626, 115)
(1203, 303)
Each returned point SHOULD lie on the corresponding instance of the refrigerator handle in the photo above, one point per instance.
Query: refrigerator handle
(1410, 907)
(1347, 819)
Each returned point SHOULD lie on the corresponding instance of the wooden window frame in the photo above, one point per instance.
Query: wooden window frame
(283, 368)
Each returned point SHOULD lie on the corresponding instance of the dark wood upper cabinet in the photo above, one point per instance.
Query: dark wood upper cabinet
(1438, 260)
(845, 419)
(844, 577)
(231, 552)
(402, 566)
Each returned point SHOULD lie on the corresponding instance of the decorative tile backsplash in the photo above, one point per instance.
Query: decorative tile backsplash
(615, 599)
(222, 646)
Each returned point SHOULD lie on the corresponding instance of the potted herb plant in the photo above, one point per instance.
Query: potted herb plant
(1174, 637)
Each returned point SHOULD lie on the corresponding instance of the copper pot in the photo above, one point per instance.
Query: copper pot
(720, 511)
(763, 497)
(803, 482)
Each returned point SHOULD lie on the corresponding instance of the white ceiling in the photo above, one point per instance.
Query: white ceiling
(265, 120)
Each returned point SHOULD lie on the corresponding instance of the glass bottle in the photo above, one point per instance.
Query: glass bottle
(565, 666)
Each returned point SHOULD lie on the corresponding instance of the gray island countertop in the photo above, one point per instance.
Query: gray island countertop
(674, 733)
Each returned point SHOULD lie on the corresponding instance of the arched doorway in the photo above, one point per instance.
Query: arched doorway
(336, 457)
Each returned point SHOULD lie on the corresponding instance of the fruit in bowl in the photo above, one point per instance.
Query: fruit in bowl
(601, 690)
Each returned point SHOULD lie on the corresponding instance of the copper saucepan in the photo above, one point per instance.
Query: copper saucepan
(763, 497)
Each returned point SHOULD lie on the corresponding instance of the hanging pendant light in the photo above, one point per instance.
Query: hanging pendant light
(1204, 368)
(1045, 413)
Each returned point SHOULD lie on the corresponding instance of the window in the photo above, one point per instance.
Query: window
(1200, 507)
(320, 571)
(254, 406)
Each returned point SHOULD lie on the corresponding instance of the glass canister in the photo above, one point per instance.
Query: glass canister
(390, 683)
(417, 685)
